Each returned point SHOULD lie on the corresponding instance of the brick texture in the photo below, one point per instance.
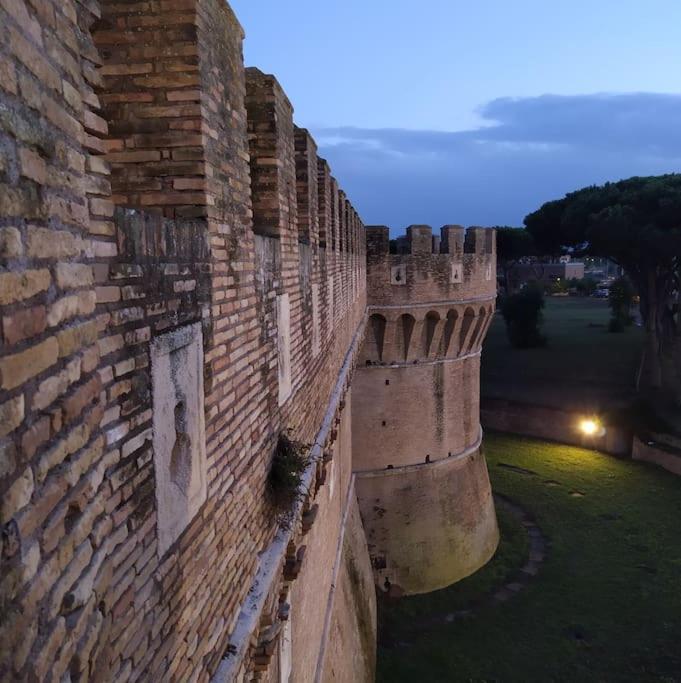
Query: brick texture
(148, 181)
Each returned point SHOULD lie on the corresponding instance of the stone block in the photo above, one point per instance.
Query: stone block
(20, 367)
(178, 431)
(11, 414)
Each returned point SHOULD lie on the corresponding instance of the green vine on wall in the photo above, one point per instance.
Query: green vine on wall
(285, 478)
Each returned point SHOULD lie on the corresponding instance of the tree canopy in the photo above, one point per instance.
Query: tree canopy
(636, 223)
(514, 243)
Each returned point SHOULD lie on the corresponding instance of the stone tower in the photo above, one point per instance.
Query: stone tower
(422, 481)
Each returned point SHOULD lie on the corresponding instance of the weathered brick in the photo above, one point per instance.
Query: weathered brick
(8, 75)
(33, 59)
(32, 165)
(47, 243)
(20, 202)
(21, 286)
(58, 452)
(70, 306)
(20, 367)
(11, 414)
(80, 400)
(8, 459)
(18, 496)
(35, 436)
(53, 387)
(10, 243)
(24, 324)
(108, 294)
(133, 157)
(73, 275)
(75, 338)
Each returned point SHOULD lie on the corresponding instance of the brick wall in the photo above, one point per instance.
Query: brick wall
(103, 256)
(58, 508)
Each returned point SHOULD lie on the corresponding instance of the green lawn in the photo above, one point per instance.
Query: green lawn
(582, 363)
(606, 605)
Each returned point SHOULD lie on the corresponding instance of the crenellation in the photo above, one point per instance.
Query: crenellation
(182, 280)
(420, 239)
(307, 187)
(452, 240)
(324, 204)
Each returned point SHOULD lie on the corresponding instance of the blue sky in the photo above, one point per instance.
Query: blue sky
(444, 111)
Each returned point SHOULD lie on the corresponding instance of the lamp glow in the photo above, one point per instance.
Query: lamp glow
(588, 427)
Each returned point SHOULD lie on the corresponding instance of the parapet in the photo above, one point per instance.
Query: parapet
(459, 264)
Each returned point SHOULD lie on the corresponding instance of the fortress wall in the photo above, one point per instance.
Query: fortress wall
(428, 526)
(324, 614)
(422, 483)
(350, 652)
(170, 296)
(57, 508)
(390, 397)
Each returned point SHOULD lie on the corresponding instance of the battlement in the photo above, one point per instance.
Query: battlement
(421, 267)
(182, 280)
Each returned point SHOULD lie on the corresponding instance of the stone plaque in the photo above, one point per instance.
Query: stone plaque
(316, 343)
(329, 307)
(178, 431)
(457, 272)
(284, 347)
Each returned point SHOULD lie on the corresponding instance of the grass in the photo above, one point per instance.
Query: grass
(606, 605)
(398, 617)
(582, 364)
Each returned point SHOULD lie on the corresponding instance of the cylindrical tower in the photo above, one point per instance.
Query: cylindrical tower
(422, 481)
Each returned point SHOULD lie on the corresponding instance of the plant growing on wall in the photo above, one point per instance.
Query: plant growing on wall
(284, 481)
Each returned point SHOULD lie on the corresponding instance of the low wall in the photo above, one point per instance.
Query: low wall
(550, 423)
(428, 525)
(650, 452)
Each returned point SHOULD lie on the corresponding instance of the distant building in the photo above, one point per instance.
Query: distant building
(544, 273)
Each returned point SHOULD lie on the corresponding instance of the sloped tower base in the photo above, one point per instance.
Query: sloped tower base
(429, 525)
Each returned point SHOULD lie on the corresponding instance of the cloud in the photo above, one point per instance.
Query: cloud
(528, 151)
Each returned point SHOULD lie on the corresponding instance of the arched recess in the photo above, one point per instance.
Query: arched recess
(450, 325)
(404, 332)
(486, 326)
(464, 335)
(429, 327)
(376, 336)
(482, 318)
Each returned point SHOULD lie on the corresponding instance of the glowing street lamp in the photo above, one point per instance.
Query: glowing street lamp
(589, 426)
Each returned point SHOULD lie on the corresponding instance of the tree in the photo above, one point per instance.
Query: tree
(512, 245)
(621, 299)
(522, 313)
(585, 287)
(637, 224)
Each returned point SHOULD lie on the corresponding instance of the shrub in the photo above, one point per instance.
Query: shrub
(584, 287)
(621, 299)
(558, 287)
(285, 477)
(523, 315)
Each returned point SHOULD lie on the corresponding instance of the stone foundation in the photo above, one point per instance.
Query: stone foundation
(428, 525)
